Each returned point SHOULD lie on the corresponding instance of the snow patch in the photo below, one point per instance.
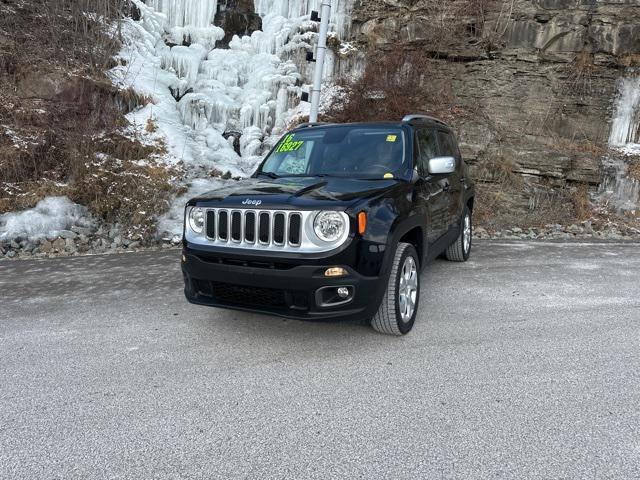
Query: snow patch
(50, 216)
(172, 222)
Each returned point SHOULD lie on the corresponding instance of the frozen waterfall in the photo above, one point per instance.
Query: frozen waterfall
(618, 189)
(625, 129)
(203, 97)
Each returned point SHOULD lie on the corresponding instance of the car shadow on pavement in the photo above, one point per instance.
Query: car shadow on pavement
(264, 328)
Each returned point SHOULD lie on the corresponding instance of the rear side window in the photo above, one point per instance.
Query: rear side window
(427, 149)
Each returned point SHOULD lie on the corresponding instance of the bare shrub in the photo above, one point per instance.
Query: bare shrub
(393, 84)
(62, 133)
(456, 23)
(75, 33)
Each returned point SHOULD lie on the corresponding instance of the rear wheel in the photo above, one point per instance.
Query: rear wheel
(399, 307)
(460, 250)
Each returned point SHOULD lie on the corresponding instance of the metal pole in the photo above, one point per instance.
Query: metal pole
(325, 13)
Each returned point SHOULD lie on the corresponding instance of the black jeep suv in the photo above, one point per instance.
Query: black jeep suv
(335, 224)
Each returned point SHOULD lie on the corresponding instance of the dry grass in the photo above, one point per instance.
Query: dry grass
(581, 73)
(582, 207)
(496, 186)
(118, 179)
(130, 192)
(634, 169)
(630, 60)
(502, 197)
(151, 126)
(578, 147)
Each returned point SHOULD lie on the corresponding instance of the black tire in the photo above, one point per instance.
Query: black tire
(460, 250)
(389, 318)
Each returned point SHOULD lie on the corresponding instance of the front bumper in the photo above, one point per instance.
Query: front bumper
(289, 291)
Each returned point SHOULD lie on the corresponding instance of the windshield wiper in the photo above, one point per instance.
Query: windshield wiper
(272, 175)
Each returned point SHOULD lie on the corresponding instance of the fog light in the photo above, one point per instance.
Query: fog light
(328, 297)
(336, 272)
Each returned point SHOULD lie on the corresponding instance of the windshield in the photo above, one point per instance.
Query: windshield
(350, 151)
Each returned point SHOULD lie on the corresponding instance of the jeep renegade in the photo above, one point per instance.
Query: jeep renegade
(335, 224)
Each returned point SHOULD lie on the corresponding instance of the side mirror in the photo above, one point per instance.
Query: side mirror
(442, 165)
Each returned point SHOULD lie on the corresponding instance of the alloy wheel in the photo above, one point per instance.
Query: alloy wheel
(408, 289)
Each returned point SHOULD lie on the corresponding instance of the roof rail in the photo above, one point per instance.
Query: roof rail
(412, 117)
(311, 124)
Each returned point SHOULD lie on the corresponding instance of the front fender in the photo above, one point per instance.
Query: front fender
(388, 220)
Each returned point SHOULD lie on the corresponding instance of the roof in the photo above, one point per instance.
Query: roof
(408, 120)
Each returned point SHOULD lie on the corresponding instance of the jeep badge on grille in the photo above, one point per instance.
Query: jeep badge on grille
(255, 203)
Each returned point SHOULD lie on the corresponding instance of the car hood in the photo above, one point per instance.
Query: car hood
(297, 192)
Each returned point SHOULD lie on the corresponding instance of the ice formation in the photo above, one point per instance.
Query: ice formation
(625, 129)
(203, 97)
(47, 219)
(189, 20)
(618, 189)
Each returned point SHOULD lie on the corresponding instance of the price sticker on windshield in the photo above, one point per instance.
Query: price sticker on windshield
(289, 144)
(392, 138)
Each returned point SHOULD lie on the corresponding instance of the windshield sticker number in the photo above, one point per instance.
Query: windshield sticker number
(289, 145)
(392, 138)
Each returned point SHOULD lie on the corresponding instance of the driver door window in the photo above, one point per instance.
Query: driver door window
(448, 146)
(427, 149)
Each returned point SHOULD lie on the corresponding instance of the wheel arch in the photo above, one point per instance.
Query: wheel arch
(416, 237)
(470, 202)
(411, 230)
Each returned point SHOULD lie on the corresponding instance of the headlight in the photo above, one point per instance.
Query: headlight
(329, 226)
(196, 220)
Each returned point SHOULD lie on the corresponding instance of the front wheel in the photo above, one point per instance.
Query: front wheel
(460, 250)
(399, 307)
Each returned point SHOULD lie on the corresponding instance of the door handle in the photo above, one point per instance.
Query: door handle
(463, 180)
(446, 188)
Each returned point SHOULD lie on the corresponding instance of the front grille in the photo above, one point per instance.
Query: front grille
(262, 231)
(238, 295)
(245, 296)
(253, 227)
(241, 262)
(242, 295)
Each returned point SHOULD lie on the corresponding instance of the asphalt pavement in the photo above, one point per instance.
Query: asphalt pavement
(524, 363)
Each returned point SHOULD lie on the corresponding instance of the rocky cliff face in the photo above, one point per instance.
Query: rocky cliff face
(237, 17)
(536, 78)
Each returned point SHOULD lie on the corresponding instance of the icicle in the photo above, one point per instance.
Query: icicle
(182, 13)
(618, 188)
(190, 21)
(184, 61)
(626, 121)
